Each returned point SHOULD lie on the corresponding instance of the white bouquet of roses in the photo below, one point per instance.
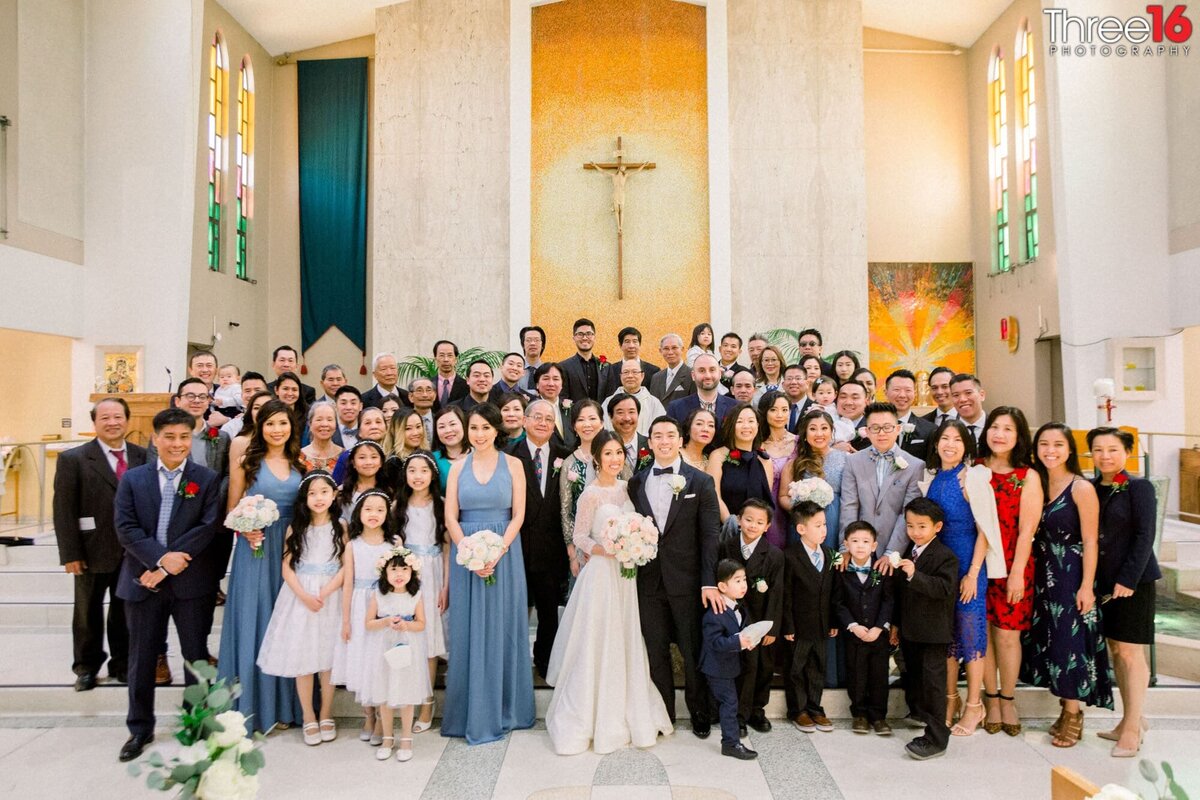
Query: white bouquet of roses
(632, 540)
(478, 550)
(816, 490)
(253, 513)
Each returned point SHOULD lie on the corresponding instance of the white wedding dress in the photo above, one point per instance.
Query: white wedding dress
(603, 695)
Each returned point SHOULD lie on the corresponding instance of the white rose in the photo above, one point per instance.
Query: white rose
(475, 564)
(237, 751)
(901, 463)
(224, 781)
(894, 559)
(193, 753)
(234, 725)
(1111, 791)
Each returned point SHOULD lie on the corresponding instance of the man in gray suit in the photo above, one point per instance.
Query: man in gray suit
(878, 483)
(675, 380)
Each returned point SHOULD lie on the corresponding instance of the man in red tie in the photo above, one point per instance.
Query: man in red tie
(85, 484)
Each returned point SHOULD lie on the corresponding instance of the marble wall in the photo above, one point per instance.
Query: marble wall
(440, 191)
(798, 168)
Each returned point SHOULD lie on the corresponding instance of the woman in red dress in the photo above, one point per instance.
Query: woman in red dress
(1005, 450)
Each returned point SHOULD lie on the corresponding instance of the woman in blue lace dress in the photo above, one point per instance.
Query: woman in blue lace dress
(952, 448)
(489, 681)
(1064, 648)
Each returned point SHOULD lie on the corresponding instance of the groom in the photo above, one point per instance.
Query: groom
(674, 588)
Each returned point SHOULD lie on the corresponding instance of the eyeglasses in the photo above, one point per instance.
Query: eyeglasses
(585, 334)
(809, 343)
(193, 398)
(542, 418)
(882, 428)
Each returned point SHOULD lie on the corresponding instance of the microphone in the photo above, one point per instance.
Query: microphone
(170, 380)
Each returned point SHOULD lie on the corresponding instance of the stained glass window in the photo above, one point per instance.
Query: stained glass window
(218, 76)
(1027, 130)
(998, 161)
(245, 163)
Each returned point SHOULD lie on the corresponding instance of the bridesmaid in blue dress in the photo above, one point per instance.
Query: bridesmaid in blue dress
(952, 448)
(254, 583)
(1065, 650)
(489, 681)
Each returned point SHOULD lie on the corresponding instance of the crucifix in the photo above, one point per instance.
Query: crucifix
(619, 171)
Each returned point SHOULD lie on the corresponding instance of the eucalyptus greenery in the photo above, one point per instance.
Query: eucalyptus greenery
(1170, 790)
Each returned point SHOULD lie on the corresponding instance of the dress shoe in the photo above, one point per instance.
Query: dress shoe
(739, 751)
(134, 746)
(822, 722)
(881, 727)
(220, 598)
(701, 728)
(860, 725)
(760, 723)
(913, 721)
(118, 675)
(162, 672)
(804, 723)
(922, 749)
(85, 682)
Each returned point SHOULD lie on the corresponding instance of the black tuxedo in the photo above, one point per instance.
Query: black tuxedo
(728, 373)
(84, 489)
(925, 613)
(568, 440)
(808, 615)
(917, 442)
(543, 547)
(187, 597)
(612, 377)
(307, 392)
(669, 586)
(932, 417)
(758, 665)
(373, 398)
(868, 603)
(467, 402)
(575, 384)
(681, 386)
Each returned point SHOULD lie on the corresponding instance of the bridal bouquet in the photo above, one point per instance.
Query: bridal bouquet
(478, 550)
(253, 513)
(218, 760)
(632, 539)
(815, 489)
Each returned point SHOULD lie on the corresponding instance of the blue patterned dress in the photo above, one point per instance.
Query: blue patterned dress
(960, 534)
(254, 583)
(1064, 650)
(489, 679)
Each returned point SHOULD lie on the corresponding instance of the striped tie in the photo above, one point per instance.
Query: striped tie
(168, 501)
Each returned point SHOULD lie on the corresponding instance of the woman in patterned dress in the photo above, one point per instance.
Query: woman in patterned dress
(321, 453)
(1064, 649)
(1005, 450)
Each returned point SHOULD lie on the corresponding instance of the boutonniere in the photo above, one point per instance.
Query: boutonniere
(907, 427)
(836, 563)
(188, 490)
(728, 375)
(733, 457)
(211, 434)
(554, 469)
(873, 578)
(602, 359)
(1016, 483)
(643, 458)
(1120, 483)
(900, 463)
(760, 585)
(676, 482)
(566, 403)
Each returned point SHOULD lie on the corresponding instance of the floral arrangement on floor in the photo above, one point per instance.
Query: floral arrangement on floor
(218, 758)
(1170, 790)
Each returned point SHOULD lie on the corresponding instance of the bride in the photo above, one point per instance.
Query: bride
(598, 667)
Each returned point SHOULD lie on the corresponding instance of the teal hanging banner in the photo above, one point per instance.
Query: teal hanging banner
(332, 110)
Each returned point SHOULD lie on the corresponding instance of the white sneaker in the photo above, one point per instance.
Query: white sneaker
(385, 750)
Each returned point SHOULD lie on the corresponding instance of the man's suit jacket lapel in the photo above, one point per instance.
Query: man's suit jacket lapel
(99, 463)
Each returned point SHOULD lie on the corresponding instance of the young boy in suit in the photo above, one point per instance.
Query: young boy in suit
(863, 599)
(808, 615)
(925, 587)
(764, 601)
(720, 651)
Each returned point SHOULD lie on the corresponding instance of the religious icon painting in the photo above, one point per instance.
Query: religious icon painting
(120, 373)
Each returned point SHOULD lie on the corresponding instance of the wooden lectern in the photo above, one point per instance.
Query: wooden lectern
(142, 408)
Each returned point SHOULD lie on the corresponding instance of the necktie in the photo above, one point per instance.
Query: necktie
(664, 470)
(537, 466)
(818, 562)
(746, 551)
(444, 396)
(795, 417)
(121, 465)
(630, 454)
(168, 501)
(916, 552)
(712, 407)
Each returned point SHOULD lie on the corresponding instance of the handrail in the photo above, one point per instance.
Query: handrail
(39, 459)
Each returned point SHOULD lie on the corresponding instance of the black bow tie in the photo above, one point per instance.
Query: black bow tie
(664, 470)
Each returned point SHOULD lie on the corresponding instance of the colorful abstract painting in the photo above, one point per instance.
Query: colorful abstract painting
(922, 315)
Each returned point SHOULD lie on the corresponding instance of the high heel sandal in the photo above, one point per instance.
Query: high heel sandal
(1115, 735)
(992, 727)
(1062, 713)
(421, 727)
(312, 734)
(1009, 728)
(953, 706)
(961, 730)
(1070, 732)
(385, 750)
(403, 755)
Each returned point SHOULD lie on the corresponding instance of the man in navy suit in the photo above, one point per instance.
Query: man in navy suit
(167, 513)
(706, 373)
(720, 654)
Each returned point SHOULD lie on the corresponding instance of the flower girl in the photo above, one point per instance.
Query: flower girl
(394, 656)
(362, 473)
(421, 518)
(372, 534)
(303, 630)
